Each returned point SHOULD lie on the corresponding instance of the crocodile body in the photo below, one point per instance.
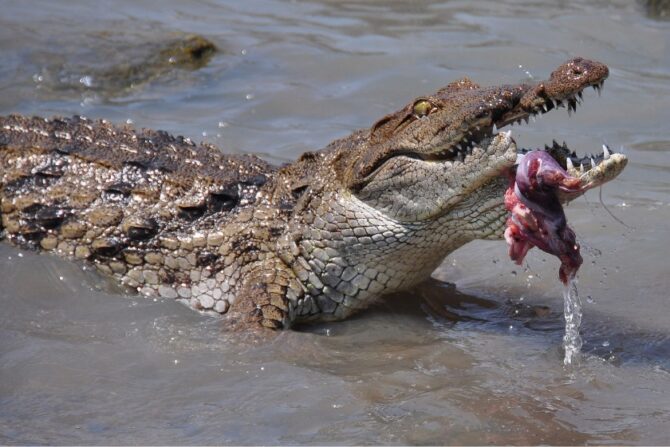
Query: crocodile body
(319, 239)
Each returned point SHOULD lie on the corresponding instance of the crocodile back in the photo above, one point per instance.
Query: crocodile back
(122, 198)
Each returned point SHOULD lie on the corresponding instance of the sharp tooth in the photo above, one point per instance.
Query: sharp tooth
(581, 167)
(606, 152)
(508, 134)
(544, 107)
(478, 128)
(533, 118)
(593, 163)
(495, 128)
(580, 95)
(571, 167)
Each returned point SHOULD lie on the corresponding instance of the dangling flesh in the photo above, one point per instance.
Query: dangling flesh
(537, 218)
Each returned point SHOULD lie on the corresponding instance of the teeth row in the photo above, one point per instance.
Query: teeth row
(460, 151)
(593, 160)
(599, 87)
(572, 101)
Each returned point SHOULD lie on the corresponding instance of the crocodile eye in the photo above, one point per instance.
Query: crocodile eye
(422, 107)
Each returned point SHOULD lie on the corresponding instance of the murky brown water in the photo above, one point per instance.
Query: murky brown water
(82, 363)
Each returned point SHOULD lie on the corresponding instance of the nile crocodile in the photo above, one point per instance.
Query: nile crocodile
(318, 239)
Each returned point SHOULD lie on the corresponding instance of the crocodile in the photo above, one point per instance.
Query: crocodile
(269, 246)
(111, 65)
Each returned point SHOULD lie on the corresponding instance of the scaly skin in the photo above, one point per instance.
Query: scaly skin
(320, 239)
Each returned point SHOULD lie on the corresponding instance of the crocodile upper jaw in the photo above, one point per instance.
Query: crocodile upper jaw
(419, 162)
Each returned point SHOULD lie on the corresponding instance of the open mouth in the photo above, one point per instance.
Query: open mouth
(481, 133)
(543, 179)
(540, 179)
(518, 104)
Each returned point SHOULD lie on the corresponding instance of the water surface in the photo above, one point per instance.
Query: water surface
(84, 363)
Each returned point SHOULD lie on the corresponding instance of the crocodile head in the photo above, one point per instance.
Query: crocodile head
(439, 151)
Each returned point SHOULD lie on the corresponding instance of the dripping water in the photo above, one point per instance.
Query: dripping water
(572, 341)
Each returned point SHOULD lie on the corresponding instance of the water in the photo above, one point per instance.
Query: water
(81, 362)
(572, 312)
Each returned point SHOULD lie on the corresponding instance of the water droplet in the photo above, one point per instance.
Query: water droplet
(61, 278)
(87, 81)
(249, 96)
(606, 344)
(223, 124)
(176, 361)
(20, 255)
(129, 121)
(244, 52)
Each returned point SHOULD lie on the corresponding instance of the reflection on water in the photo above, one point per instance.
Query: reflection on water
(479, 362)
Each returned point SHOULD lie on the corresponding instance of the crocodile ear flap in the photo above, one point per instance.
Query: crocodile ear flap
(386, 126)
(383, 127)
